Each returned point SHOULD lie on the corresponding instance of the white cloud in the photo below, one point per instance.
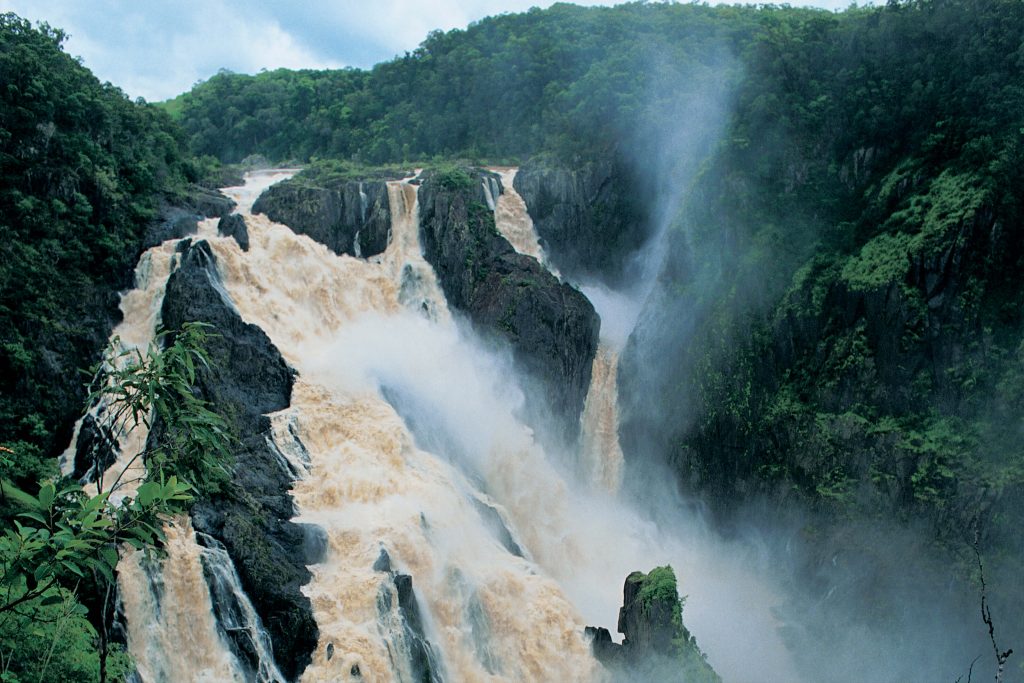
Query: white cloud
(159, 48)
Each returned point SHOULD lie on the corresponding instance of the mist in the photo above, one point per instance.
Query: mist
(455, 395)
(869, 600)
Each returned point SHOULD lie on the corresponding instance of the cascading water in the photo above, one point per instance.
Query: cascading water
(140, 308)
(355, 330)
(512, 219)
(172, 631)
(169, 613)
(403, 437)
(719, 577)
(600, 454)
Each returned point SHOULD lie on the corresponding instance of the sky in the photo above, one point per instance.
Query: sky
(157, 49)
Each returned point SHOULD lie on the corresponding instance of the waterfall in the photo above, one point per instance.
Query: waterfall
(601, 460)
(363, 201)
(403, 437)
(169, 614)
(169, 605)
(602, 457)
(718, 576)
(172, 629)
(140, 310)
(513, 220)
(372, 341)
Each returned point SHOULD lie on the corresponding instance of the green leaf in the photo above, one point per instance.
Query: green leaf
(147, 493)
(47, 492)
(109, 554)
(52, 599)
(105, 570)
(34, 516)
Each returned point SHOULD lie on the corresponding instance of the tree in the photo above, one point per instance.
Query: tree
(63, 546)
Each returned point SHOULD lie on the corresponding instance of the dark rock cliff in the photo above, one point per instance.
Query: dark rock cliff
(657, 646)
(351, 217)
(551, 328)
(589, 216)
(181, 219)
(97, 313)
(247, 378)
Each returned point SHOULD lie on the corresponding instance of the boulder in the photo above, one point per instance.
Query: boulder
(234, 226)
(181, 218)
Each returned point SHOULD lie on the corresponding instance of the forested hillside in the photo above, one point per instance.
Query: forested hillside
(83, 172)
(566, 79)
(86, 178)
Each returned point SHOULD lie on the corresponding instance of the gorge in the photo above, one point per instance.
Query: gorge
(655, 342)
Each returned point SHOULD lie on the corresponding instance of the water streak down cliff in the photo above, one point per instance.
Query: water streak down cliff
(601, 458)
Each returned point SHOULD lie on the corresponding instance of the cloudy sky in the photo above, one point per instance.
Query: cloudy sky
(159, 48)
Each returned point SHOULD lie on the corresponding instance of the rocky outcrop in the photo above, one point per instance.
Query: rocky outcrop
(551, 328)
(247, 378)
(95, 450)
(423, 662)
(181, 219)
(589, 216)
(350, 217)
(210, 203)
(657, 646)
(234, 226)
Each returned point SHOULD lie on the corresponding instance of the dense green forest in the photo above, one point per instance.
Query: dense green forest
(84, 172)
(567, 79)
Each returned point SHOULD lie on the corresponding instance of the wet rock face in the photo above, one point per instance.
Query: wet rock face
(590, 217)
(650, 616)
(95, 451)
(422, 660)
(246, 378)
(234, 226)
(182, 219)
(351, 218)
(551, 328)
(657, 646)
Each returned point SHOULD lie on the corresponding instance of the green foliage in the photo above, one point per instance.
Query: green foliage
(143, 388)
(54, 642)
(82, 170)
(63, 538)
(658, 586)
(881, 262)
(453, 177)
(329, 172)
(566, 79)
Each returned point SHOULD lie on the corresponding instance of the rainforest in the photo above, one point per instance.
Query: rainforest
(655, 342)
